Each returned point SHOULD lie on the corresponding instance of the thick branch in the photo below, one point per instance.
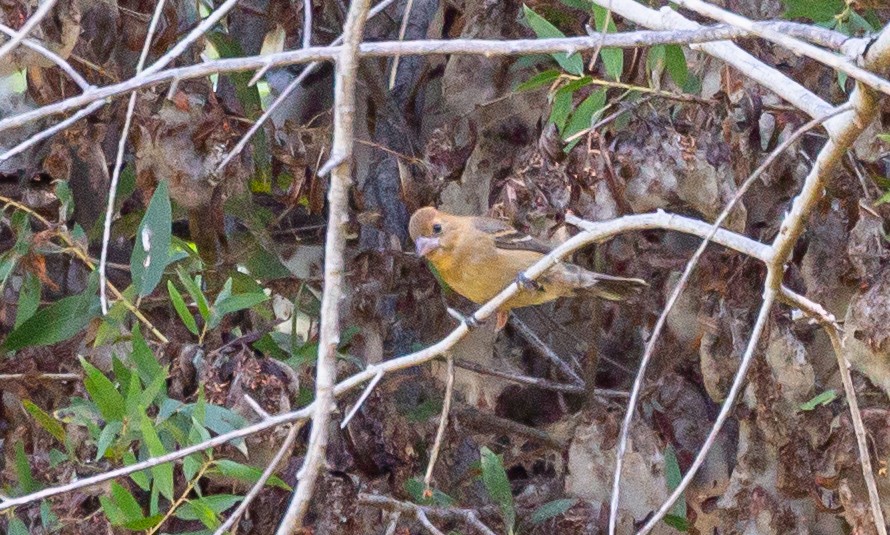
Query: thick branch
(481, 47)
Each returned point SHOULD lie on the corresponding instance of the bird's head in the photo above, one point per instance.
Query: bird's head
(429, 229)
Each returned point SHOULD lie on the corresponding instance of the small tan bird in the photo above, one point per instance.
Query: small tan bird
(479, 256)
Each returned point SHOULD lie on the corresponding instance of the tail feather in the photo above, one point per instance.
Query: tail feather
(599, 284)
(615, 288)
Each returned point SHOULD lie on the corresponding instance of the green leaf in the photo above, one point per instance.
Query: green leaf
(883, 199)
(109, 433)
(495, 479)
(147, 366)
(679, 523)
(207, 509)
(613, 58)
(47, 422)
(583, 116)
(66, 199)
(884, 137)
(27, 484)
(822, 399)
(48, 519)
(140, 477)
(29, 299)
(562, 107)
(57, 322)
(539, 80)
(16, 527)
(675, 63)
(238, 302)
(182, 309)
(814, 10)
(120, 507)
(552, 509)
(245, 473)
(415, 488)
(193, 287)
(151, 255)
(108, 400)
(573, 64)
(673, 476)
(162, 473)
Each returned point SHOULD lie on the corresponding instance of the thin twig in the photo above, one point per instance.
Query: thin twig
(261, 482)
(443, 425)
(196, 33)
(468, 516)
(39, 377)
(51, 131)
(119, 160)
(543, 384)
(307, 70)
(334, 265)
(395, 59)
(361, 400)
(675, 295)
(307, 23)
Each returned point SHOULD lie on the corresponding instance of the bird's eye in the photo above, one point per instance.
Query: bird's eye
(437, 228)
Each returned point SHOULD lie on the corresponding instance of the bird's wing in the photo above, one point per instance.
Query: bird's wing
(507, 237)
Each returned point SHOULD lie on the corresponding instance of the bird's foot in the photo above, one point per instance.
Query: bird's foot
(470, 319)
(527, 284)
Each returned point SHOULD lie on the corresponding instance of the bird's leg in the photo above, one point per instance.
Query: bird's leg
(470, 319)
(527, 284)
(502, 317)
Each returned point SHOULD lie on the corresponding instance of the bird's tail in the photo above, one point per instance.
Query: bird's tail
(615, 288)
(601, 285)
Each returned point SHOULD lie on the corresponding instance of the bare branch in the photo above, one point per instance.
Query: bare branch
(593, 233)
(119, 161)
(794, 93)
(261, 482)
(309, 69)
(51, 131)
(334, 265)
(443, 424)
(468, 516)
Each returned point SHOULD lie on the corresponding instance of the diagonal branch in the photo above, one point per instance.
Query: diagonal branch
(675, 294)
(848, 127)
(591, 233)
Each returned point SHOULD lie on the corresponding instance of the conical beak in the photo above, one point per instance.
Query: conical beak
(424, 246)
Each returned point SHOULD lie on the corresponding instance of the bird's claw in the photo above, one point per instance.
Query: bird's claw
(470, 319)
(526, 283)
